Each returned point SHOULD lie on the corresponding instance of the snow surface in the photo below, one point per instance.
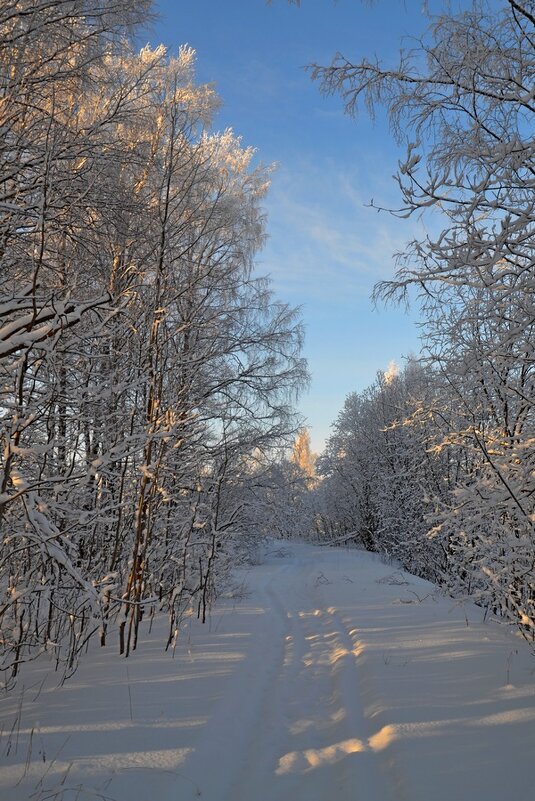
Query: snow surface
(328, 675)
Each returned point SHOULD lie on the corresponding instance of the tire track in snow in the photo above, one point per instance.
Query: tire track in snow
(253, 776)
(361, 694)
(231, 728)
(272, 738)
(340, 745)
(357, 687)
(300, 705)
(325, 738)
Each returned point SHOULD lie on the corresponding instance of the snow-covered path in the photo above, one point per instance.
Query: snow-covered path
(296, 704)
(334, 676)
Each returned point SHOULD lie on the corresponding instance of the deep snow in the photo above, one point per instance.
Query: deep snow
(328, 675)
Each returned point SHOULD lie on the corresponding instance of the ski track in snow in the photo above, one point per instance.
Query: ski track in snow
(335, 677)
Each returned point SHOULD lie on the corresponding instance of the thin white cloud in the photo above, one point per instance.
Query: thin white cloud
(323, 237)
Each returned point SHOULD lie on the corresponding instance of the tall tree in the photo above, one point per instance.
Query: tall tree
(141, 359)
(463, 101)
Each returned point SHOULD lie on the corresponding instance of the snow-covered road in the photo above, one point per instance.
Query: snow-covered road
(333, 676)
(293, 723)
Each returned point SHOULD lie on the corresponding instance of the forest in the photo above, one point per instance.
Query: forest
(149, 374)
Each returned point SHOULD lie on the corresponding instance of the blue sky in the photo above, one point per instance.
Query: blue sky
(326, 249)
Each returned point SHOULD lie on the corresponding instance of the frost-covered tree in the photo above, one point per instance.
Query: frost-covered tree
(380, 472)
(53, 153)
(303, 457)
(462, 99)
(141, 360)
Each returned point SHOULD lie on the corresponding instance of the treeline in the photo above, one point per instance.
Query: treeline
(436, 465)
(146, 373)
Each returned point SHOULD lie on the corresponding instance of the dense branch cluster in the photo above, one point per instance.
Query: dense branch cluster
(145, 371)
(438, 465)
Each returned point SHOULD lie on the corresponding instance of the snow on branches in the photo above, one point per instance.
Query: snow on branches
(141, 361)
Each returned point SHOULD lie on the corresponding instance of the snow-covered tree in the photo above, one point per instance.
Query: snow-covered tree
(303, 457)
(462, 100)
(141, 359)
(380, 472)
